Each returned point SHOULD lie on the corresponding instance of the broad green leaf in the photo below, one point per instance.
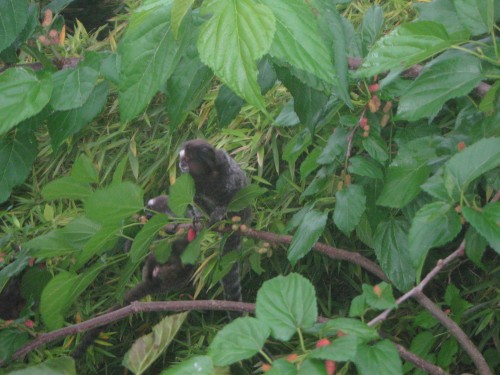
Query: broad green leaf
(321, 181)
(54, 366)
(149, 54)
(79, 231)
(382, 298)
(114, 203)
(10, 341)
(15, 268)
(470, 163)
(83, 170)
(367, 167)
(342, 349)
(435, 224)
(17, 155)
(149, 347)
(440, 11)
(312, 366)
(486, 221)
(335, 148)
(179, 11)
(475, 246)
(490, 101)
(61, 292)
(62, 124)
(72, 87)
(376, 147)
(435, 187)
(379, 359)
(51, 244)
(240, 339)
(238, 34)
(391, 249)
(350, 327)
(181, 194)
(191, 253)
(444, 79)
(307, 234)
(13, 18)
(408, 45)
(186, 87)
(371, 28)
(282, 367)
(297, 39)
(350, 203)
(476, 15)
(228, 105)
(199, 365)
(57, 5)
(140, 246)
(287, 303)
(105, 239)
(297, 145)
(66, 187)
(22, 94)
(245, 197)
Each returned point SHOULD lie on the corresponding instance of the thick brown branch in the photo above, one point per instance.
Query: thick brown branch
(419, 362)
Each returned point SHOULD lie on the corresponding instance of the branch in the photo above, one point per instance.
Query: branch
(419, 362)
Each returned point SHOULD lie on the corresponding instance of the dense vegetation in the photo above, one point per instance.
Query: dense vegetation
(371, 135)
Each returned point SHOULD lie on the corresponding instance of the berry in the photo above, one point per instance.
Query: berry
(374, 88)
(461, 146)
(363, 122)
(191, 234)
(322, 342)
(377, 290)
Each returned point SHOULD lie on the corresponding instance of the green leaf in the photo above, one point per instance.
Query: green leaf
(17, 155)
(114, 203)
(476, 15)
(282, 367)
(104, 239)
(342, 349)
(435, 224)
(367, 167)
(350, 204)
(66, 187)
(297, 39)
(350, 327)
(51, 244)
(199, 365)
(475, 246)
(228, 105)
(191, 253)
(62, 124)
(149, 347)
(379, 359)
(54, 366)
(140, 246)
(311, 367)
(83, 170)
(408, 45)
(61, 292)
(181, 194)
(440, 11)
(470, 163)
(238, 33)
(443, 79)
(150, 36)
(376, 147)
(487, 222)
(179, 11)
(22, 95)
(391, 249)
(245, 197)
(240, 339)
(335, 148)
(13, 17)
(10, 341)
(381, 300)
(307, 234)
(72, 87)
(287, 303)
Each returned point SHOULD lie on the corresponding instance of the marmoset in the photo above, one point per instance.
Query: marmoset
(217, 178)
(156, 277)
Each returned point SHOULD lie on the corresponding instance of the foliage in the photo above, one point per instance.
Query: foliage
(374, 128)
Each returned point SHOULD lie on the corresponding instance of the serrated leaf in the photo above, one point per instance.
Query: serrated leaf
(297, 39)
(114, 203)
(105, 239)
(402, 184)
(350, 204)
(149, 347)
(54, 366)
(62, 124)
(150, 36)
(72, 87)
(199, 365)
(140, 246)
(342, 349)
(22, 95)
(467, 165)
(181, 194)
(13, 18)
(61, 292)
(382, 299)
(66, 187)
(367, 167)
(391, 249)
(192, 251)
(282, 367)
(444, 79)
(240, 339)
(238, 33)
(83, 170)
(408, 45)
(435, 224)
(441, 11)
(476, 15)
(376, 147)
(179, 11)
(287, 303)
(475, 246)
(51, 244)
(379, 359)
(487, 222)
(10, 341)
(307, 234)
(245, 197)
(335, 148)
(350, 327)
(17, 155)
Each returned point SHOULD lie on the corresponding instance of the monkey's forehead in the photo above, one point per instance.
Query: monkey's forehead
(182, 153)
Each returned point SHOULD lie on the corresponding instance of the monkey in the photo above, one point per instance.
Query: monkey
(217, 178)
(156, 277)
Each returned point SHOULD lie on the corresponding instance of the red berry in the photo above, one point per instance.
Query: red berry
(322, 342)
(374, 88)
(330, 367)
(191, 234)
(291, 357)
(29, 323)
(461, 146)
(377, 290)
(363, 122)
(265, 367)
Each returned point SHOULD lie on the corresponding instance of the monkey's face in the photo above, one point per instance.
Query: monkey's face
(198, 158)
